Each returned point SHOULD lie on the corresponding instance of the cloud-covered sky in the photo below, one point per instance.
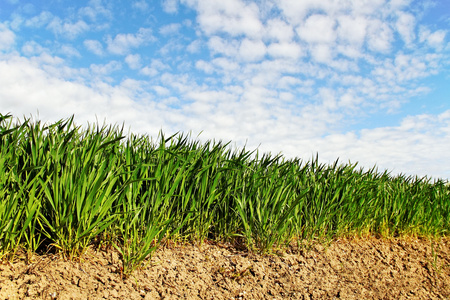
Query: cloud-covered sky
(359, 80)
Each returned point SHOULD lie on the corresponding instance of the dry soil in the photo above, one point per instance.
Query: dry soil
(363, 268)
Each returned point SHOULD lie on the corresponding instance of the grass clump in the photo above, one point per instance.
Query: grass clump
(67, 186)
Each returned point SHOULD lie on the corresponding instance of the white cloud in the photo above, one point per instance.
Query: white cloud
(318, 29)
(380, 36)
(67, 29)
(160, 90)
(204, 66)
(194, 47)
(435, 39)
(38, 21)
(233, 17)
(352, 52)
(7, 37)
(141, 5)
(419, 141)
(31, 90)
(296, 11)
(418, 146)
(123, 43)
(149, 71)
(45, 59)
(33, 48)
(321, 53)
(372, 7)
(286, 82)
(95, 9)
(328, 97)
(226, 64)
(172, 46)
(16, 22)
(228, 68)
(350, 101)
(223, 46)
(399, 4)
(250, 50)
(69, 51)
(279, 30)
(105, 69)
(352, 30)
(170, 6)
(285, 50)
(155, 67)
(170, 29)
(406, 67)
(405, 26)
(94, 46)
(133, 61)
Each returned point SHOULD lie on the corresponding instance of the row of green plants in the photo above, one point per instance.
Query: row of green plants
(70, 187)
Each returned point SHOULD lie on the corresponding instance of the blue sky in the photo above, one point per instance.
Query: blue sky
(365, 81)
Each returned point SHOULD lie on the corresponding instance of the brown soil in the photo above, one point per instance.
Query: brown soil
(366, 268)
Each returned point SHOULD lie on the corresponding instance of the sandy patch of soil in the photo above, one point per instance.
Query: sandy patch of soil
(367, 268)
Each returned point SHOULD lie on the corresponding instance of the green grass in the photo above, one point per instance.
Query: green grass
(68, 187)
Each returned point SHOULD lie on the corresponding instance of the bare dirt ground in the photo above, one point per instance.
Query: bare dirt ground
(363, 268)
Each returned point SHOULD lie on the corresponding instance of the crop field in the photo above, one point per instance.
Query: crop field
(66, 188)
